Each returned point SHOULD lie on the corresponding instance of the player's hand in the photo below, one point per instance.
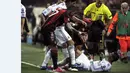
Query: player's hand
(84, 23)
(103, 32)
(108, 33)
(82, 33)
(88, 20)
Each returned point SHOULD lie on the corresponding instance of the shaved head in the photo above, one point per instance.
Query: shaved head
(124, 7)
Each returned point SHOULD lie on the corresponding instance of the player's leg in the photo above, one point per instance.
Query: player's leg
(123, 48)
(50, 42)
(61, 42)
(46, 59)
(71, 49)
(128, 42)
(47, 41)
(64, 38)
(54, 56)
(66, 57)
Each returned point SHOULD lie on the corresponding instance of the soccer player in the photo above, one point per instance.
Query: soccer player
(85, 64)
(24, 24)
(48, 35)
(56, 21)
(123, 29)
(23, 17)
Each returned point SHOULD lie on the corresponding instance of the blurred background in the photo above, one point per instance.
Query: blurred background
(35, 7)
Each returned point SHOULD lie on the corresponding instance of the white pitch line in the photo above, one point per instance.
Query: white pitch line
(37, 66)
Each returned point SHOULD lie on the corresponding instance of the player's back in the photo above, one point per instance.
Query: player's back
(100, 65)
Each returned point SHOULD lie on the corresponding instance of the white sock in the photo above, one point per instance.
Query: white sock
(106, 52)
(46, 49)
(72, 54)
(65, 52)
(47, 57)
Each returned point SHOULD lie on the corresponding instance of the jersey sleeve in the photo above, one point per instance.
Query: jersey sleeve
(114, 20)
(47, 11)
(23, 11)
(107, 12)
(87, 10)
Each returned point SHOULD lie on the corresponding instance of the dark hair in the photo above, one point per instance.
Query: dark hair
(70, 1)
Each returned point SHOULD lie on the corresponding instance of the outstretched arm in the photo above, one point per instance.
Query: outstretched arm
(114, 20)
(74, 18)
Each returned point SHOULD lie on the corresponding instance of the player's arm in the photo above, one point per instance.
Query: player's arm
(70, 27)
(23, 17)
(111, 26)
(42, 17)
(22, 23)
(74, 18)
(87, 12)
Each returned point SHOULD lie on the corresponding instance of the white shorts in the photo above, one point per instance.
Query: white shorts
(83, 61)
(61, 35)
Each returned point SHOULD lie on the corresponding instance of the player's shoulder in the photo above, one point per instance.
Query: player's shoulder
(23, 9)
(104, 6)
(92, 4)
(22, 6)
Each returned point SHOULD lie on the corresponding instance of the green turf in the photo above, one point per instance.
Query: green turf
(35, 55)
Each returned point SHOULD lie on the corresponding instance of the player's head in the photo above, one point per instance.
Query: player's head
(69, 1)
(124, 7)
(99, 3)
(113, 57)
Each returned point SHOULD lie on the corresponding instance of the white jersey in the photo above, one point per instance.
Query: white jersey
(62, 5)
(86, 64)
(23, 11)
(48, 10)
(100, 65)
(83, 61)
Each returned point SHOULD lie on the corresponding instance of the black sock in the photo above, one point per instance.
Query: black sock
(69, 61)
(54, 56)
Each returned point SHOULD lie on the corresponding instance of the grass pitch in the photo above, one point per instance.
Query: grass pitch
(34, 55)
